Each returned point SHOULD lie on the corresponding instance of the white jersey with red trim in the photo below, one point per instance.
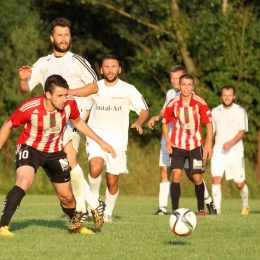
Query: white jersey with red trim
(73, 68)
(187, 121)
(42, 129)
(109, 116)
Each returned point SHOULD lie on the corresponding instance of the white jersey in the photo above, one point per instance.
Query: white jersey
(226, 124)
(171, 93)
(109, 116)
(72, 67)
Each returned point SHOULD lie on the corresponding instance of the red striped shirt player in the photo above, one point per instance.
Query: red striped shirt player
(188, 111)
(40, 144)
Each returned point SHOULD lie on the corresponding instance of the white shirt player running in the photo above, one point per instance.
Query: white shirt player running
(75, 69)
(109, 116)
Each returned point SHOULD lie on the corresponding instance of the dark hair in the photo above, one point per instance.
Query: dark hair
(178, 68)
(53, 81)
(60, 21)
(186, 76)
(228, 87)
(111, 57)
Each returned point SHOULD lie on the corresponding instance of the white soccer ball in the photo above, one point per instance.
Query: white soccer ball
(183, 222)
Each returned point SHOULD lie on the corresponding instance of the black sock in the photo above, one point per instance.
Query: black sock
(175, 195)
(68, 212)
(199, 190)
(11, 204)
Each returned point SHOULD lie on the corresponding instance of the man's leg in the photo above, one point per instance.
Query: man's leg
(175, 188)
(112, 193)
(24, 180)
(243, 191)
(216, 192)
(199, 190)
(77, 178)
(164, 190)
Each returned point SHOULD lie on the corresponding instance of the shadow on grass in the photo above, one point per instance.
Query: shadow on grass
(177, 243)
(37, 222)
(254, 212)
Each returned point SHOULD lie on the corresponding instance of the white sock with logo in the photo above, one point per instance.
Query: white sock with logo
(244, 196)
(207, 198)
(216, 193)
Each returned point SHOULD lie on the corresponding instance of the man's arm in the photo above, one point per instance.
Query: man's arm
(82, 126)
(139, 122)
(154, 119)
(24, 73)
(208, 151)
(85, 91)
(227, 146)
(168, 142)
(4, 133)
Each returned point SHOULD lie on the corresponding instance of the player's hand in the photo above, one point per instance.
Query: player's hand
(151, 121)
(138, 127)
(108, 148)
(168, 147)
(25, 72)
(227, 146)
(207, 153)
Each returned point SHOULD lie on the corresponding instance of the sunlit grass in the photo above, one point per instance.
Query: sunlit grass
(135, 233)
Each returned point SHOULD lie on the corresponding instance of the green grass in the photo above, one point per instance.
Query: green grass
(135, 233)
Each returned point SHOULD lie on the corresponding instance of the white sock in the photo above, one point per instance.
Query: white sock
(164, 193)
(89, 197)
(94, 184)
(110, 202)
(244, 196)
(216, 193)
(207, 197)
(77, 184)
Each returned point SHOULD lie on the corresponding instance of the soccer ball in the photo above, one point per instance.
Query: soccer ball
(183, 222)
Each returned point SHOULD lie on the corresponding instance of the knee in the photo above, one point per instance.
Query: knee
(240, 185)
(216, 180)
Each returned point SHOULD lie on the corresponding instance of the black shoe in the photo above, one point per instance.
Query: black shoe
(160, 212)
(211, 208)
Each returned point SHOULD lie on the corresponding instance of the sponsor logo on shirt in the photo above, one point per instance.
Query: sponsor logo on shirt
(109, 108)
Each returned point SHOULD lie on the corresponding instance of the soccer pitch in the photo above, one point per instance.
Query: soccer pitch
(135, 233)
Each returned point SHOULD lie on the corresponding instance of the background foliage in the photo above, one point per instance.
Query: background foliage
(217, 41)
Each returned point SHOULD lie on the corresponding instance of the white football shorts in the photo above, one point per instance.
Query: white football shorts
(165, 159)
(234, 168)
(71, 134)
(114, 166)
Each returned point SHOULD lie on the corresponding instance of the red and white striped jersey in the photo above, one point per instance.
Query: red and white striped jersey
(42, 129)
(187, 121)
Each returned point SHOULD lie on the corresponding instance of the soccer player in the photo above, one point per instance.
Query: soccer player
(164, 159)
(187, 111)
(78, 73)
(40, 144)
(109, 117)
(229, 124)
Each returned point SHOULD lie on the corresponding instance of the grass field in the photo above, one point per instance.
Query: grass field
(135, 233)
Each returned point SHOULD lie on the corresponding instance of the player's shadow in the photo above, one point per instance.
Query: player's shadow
(19, 225)
(177, 243)
(254, 212)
